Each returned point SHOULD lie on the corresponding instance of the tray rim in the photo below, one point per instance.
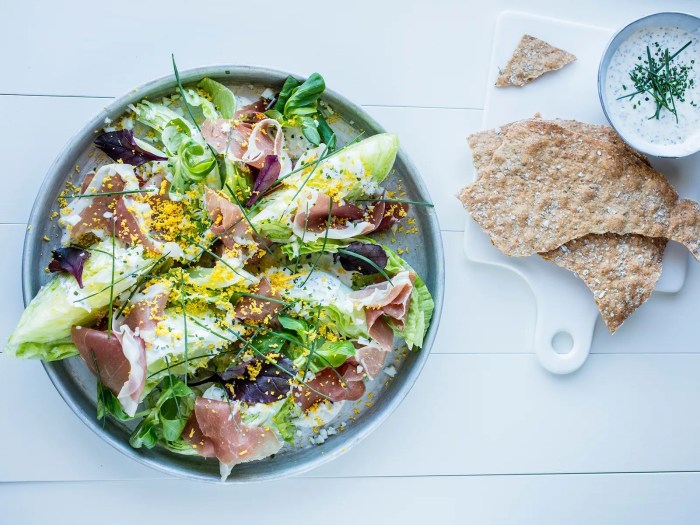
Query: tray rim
(332, 448)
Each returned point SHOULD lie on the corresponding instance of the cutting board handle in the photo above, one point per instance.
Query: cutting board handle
(563, 327)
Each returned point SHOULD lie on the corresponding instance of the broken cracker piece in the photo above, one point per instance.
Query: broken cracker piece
(553, 181)
(531, 59)
(620, 270)
(618, 297)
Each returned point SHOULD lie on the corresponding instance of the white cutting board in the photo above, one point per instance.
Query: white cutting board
(566, 313)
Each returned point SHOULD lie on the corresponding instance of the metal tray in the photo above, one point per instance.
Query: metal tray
(77, 385)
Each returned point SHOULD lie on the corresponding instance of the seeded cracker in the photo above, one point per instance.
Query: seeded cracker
(620, 270)
(531, 59)
(549, 183)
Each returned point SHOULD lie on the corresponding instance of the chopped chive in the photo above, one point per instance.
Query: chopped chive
(264, 298)
(184, 319)
(111, 286)
(104, 194)
(399, 201)
(323, 246)
(170, 378)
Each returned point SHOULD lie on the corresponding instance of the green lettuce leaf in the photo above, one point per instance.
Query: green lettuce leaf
(171, 407)
(352, 172)
(420, 307)
(296, 248)
(46, 351)
(222, 97)
(325, 353)
(44, 329)
(283, 420)
(107, 403)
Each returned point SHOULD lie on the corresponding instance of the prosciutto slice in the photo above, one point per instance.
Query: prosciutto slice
(258, 310)
(384, 215)
(249, 137)
(129, 225)
(327, 382)
(215, 429)
(229, 223)
(383, 301)
(93, 214)
(312, 225)
(371, 357)
(147, 310)
(118, 359)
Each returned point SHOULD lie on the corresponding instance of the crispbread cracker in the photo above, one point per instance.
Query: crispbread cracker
(685, 226)
(620, 270)
(531, 59)
(550, 182)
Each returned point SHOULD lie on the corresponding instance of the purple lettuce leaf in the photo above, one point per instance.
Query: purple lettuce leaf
(69, 260)
(373, 252)
(270, 384)
(121, 145)
(267, 176)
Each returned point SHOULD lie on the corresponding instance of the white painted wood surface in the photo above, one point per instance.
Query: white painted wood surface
(486, 435)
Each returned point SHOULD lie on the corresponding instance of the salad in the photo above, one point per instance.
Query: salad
(220, 273)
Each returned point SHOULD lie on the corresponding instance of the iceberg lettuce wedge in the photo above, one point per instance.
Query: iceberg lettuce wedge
(44, 329)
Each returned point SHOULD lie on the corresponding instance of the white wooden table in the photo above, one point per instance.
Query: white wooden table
(486, 435)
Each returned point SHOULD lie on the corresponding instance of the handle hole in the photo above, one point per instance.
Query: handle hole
(562, 342)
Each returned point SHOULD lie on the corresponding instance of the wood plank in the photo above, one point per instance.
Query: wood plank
(497, 500)
(41, 127)
(372, 52)
(467, 414)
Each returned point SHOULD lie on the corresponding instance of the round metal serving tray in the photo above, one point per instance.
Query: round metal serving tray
(77, 385)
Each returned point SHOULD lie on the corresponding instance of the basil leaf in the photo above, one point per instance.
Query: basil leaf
(304, 98)
(327, 134)
(289, 85)
(222, 97)
(308, 128)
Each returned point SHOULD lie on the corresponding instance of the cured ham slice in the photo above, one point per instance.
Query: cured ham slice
(215, 429)
(258, 310)
(327, 385)
(134, 351)
(371, 357)
(117, 359)
(147, 308)
(93, 214)
(129, 225)
(249, 137)
(266, 138)
(385, 215)
(227, 136)
(229, 223)
(312, 225)
(383, 301)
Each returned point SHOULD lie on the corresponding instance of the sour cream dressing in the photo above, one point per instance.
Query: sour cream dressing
(630, 116)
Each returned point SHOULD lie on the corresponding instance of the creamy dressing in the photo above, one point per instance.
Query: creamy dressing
(630, 116)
